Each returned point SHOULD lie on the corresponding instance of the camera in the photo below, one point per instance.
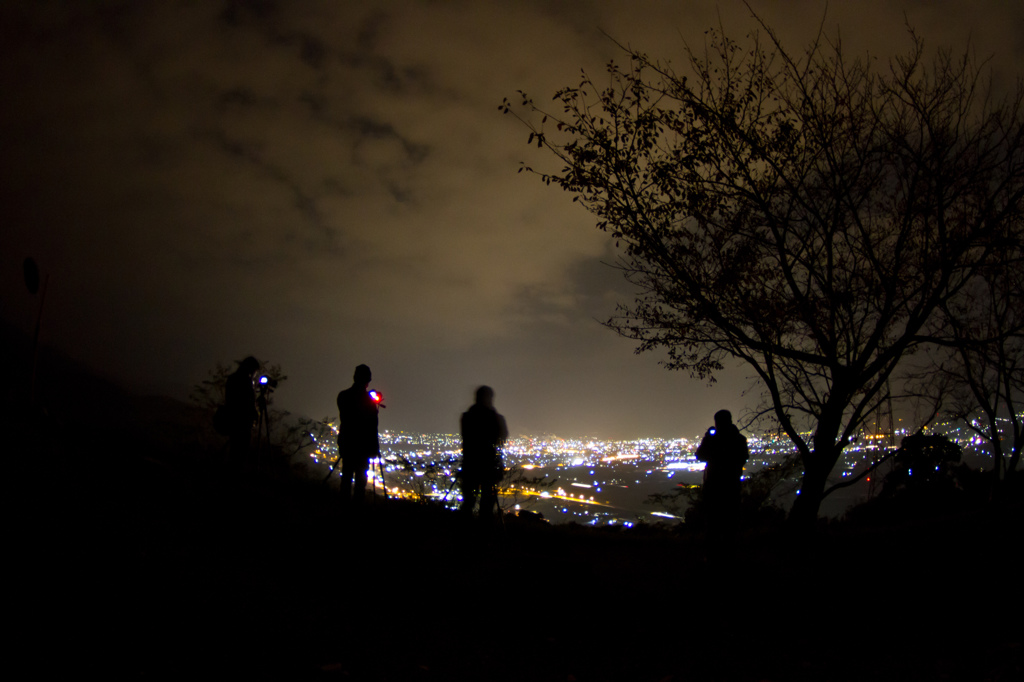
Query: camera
(376, 396)
(266, 382)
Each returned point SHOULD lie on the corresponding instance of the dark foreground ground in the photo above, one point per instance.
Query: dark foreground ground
(131, 566)
(130, 553)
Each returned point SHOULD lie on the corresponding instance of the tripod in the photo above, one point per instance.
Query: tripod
(380, 463)
(483, 487)
(383, 484)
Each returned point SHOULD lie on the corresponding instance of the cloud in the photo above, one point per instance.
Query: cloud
(332, 183)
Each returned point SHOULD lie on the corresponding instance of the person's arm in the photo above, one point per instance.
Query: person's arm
(704, 449)
(502, 431)
(376, 428)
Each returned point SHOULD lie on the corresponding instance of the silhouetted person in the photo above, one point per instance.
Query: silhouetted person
(357, 435)
(483, 433)
(725, 451)
(240, 409)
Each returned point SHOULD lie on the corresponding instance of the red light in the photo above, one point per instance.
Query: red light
(375, 397)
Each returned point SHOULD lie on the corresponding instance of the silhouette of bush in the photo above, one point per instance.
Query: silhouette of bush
(425, 476)
(925, 466)
(927, 480)
(758, 497)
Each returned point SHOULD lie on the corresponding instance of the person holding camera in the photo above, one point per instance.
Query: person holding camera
(358, 442)
(240, 409)
(725, 451)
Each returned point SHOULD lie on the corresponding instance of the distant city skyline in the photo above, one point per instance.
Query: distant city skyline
(607, 482)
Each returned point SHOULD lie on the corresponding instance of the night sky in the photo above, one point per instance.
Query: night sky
(322, 184)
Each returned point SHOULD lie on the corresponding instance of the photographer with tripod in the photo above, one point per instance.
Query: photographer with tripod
(725, 451)
(357, 436)
(240, 410)
(483, 433)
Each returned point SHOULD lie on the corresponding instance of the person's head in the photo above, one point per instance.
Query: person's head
(723, 418)
(250, 365)
(485, 396)
(362, 376)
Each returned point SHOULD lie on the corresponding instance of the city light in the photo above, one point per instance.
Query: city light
(550, 473)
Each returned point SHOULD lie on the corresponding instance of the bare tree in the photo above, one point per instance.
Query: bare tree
(985, 359)
(806, 214)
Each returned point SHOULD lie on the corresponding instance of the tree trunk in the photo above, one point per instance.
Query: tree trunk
(804, 513)
(1011, 468)
(819, 464)
(817, 467)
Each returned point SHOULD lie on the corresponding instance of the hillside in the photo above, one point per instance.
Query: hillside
(137, 555)
(136, 566)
